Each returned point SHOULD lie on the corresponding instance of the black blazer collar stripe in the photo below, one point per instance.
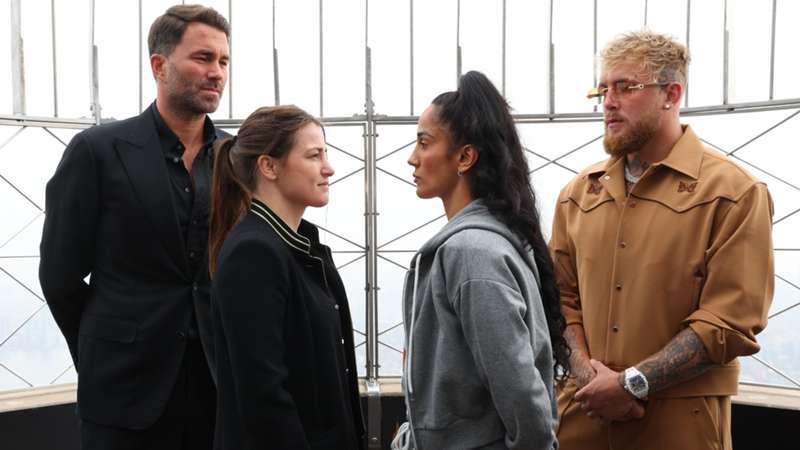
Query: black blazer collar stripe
(292, 239)
(143, 158)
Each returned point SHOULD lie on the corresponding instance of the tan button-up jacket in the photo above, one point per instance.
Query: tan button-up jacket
(690, 246)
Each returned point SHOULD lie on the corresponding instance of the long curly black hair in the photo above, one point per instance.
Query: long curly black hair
(477, 114)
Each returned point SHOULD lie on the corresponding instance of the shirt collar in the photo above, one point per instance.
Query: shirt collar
(293, 239)
(170, 140)
(685, 156)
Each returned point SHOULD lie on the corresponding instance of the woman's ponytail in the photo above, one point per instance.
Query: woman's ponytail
(230, 199)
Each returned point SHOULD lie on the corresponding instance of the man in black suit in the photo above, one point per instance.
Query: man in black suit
(128, 206)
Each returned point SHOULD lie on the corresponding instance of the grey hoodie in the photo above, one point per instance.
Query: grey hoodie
(478, 371)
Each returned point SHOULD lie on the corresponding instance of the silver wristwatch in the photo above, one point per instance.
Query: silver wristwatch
(635, 383)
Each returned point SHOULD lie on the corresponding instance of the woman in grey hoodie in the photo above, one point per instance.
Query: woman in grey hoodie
(483, 324)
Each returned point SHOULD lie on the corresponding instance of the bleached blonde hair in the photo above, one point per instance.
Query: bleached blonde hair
(660, 57)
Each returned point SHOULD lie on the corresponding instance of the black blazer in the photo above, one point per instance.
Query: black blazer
(109, 213)
(286, 370)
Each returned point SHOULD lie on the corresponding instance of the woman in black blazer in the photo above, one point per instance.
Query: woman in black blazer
(286, 373)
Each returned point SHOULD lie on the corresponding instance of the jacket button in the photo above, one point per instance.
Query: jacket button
(632, 204)
(615, 328)
(623, 244)
(618, 286)
(181, 335)
(336, 307)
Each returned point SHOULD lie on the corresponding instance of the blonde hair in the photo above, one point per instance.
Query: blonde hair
(660, 57)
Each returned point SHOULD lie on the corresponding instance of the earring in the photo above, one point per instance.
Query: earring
(460, 173)
(667, 106)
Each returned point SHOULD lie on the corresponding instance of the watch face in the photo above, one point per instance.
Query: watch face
(637, 383)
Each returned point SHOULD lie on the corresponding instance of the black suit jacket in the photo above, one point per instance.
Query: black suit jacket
(109, 215)
(286, 364)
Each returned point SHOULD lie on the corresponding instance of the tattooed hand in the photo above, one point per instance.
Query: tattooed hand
(604, 398)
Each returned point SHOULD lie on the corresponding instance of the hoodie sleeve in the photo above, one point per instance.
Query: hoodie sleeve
(492, 315)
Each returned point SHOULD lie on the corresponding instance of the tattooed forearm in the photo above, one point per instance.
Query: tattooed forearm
(579, 357)
(683, 358)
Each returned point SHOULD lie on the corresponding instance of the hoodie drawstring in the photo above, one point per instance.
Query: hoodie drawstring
(409, 383)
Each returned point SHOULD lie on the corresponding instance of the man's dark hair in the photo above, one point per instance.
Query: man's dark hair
(167, 30)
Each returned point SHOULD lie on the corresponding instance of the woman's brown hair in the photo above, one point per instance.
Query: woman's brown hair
(267, 131)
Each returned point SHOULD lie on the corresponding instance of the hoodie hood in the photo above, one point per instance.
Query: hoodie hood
(476, 215)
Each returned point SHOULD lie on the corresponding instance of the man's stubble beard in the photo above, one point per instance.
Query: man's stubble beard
(186, 97)
(633, 139)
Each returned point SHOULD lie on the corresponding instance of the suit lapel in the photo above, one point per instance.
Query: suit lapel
(141, 155)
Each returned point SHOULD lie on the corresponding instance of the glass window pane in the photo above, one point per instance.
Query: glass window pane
(573, 28)
(434, 51)
(787, 35)
(353, 274)
(21, 212)
(297, 41)
(750, 40)
(482, 39)
(6, 98)
(251, 80)
(668, 17)
(615, 17)
(570, 147)
(343, 58)
(18, 304)
(389, 39)
(73, 61)
(706, 47)
(779, 349)
(116, 38)
(10, 381)
(29, 160)
(390, 316)
(37, 352)
(38, 48)
(526, 56)
(22, 241)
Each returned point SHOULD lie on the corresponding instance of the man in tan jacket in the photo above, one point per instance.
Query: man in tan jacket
(663, 255)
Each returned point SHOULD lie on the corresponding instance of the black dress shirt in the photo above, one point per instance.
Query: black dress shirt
(190, 193)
